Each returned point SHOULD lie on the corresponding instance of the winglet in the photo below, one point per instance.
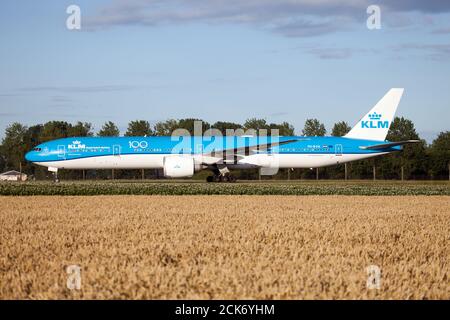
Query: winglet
(375, 124)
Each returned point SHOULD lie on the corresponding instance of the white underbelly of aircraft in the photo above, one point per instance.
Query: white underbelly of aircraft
(153, 161)
(128, 161)
(302, 160)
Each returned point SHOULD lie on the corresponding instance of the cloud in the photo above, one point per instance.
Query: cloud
(441, 31)
(307, 28)
(292, 18)
(436, 52)
(78, 89)
(278, 114)
(332, 52)
(428, 6)
(9, 114)
(60, 99)
(8, 95)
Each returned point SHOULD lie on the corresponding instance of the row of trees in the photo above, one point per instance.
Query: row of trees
(418, 161)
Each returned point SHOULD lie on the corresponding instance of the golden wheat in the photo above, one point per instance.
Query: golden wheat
(225, 247)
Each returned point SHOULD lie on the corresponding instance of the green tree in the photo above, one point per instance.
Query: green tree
(223, 126)
(139, 128)
(314, 128)
(256, 124)
(340, 129)
(253, 126)
(55, 130)
(165, 128)
(412, 158)
(2, 159)
(81, 129)
(32, 138)
(189, 124)
(13, 145)
(402, 129)
(284, 129)
(109, 129)
(440, 156)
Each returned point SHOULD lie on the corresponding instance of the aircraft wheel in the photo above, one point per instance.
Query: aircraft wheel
(209, 179)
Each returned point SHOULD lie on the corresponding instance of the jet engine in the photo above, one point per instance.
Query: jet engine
(179, 167)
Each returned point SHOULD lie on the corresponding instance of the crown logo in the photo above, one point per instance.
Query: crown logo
(375, 116)
(76, 142)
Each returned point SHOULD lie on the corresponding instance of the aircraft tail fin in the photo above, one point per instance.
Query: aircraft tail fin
(375, 124)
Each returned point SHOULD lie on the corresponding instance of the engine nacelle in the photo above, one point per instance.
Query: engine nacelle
(178, 167)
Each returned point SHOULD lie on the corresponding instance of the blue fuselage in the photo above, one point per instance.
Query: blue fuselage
(150, 152)
(85, 147)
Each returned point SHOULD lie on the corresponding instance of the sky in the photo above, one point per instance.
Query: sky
(223, 60)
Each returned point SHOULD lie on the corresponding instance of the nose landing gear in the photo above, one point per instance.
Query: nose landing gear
(55, 177)
(54, 171)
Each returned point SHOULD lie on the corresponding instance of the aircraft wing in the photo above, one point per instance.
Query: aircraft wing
(388, 145)
(235, 154)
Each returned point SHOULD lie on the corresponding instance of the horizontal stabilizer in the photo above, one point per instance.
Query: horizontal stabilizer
(388, 145)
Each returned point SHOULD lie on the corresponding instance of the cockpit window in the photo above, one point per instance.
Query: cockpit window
(37, 149)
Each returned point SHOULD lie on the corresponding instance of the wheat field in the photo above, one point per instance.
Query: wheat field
(225, 247)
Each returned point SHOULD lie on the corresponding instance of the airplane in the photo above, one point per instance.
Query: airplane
(182, 156)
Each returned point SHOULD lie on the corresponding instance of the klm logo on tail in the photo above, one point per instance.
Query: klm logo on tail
(374, 122)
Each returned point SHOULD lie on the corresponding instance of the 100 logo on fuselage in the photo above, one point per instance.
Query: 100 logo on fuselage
(138, 144)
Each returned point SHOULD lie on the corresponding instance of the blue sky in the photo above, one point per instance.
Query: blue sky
(282, 60)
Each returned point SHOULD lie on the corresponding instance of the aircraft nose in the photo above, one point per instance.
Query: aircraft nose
(29, 156)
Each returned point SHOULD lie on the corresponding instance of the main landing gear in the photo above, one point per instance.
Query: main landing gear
(221, 174)
(221, 178)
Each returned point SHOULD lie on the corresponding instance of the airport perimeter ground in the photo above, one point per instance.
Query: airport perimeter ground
(225, 246)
